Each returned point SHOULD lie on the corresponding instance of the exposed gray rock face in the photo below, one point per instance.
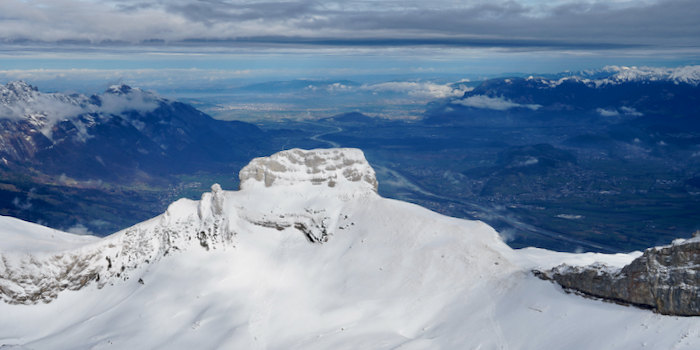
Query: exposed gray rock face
(666, 279)
(318, 167)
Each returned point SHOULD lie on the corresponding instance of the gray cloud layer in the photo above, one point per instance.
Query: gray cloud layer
(592, 24)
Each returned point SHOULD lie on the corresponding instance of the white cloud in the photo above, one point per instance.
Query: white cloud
(570, 216)
(57, 110)
(419, 89)
(135, 100)
(530, 161)
(608, 112)
(22, 205)
(80, 229)
(44, 110)
(25, 204)
(631, 111)
(628, 111)
(495, 103)
(330, 87)
(507, 234)
(138, 77)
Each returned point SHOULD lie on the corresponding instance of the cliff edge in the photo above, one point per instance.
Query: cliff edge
(665, 279)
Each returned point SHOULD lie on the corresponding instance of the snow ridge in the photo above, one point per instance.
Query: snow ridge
(687, 75)
(210, 223)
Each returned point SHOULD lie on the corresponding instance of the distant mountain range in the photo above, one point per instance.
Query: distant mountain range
(62, 154)
(617, 75)
(104, 161)
(115, 135)
(644, 97)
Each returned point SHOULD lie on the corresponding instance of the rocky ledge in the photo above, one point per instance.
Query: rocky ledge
(320, 166)
(665, 279)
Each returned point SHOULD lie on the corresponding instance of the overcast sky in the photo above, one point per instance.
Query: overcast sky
(358, 36)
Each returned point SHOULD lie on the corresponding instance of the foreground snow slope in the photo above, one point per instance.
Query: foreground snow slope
(307, 256)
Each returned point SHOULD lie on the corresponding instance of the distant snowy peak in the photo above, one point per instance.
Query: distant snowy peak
(619, 75)
(20, 100)
(688, 75)
(16, 91)
(20, 93)
(22, 103)
(120, 89)
(329, 167)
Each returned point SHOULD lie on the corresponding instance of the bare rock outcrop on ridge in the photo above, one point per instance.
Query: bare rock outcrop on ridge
(329, 166)
(665, 279)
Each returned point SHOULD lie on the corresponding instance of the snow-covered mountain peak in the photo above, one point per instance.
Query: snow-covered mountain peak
(120, 89)
(616, 75)
(278, 268)
(20, 87)
(340, 167)
(688, 75)
(16, 91)
(292, 203)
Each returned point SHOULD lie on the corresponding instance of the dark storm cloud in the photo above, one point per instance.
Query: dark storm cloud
(536, 24)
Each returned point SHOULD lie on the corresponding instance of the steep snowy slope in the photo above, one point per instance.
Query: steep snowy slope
(19, 236)
(306, 255)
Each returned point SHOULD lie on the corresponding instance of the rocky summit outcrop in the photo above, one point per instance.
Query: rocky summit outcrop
(295, 166)
(665, 279)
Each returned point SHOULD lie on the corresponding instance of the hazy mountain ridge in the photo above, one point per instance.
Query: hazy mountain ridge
(638, 96)
(610, 75)
(100, 161)
(635, 148)
(115, 134)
